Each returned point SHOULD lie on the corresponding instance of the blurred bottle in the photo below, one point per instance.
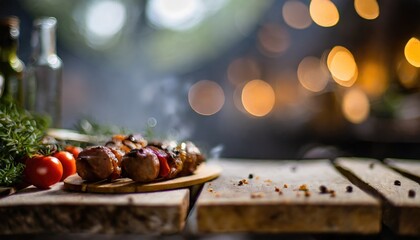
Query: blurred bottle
(11, 67)
(44, 75)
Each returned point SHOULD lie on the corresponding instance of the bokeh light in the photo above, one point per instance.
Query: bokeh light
(342, 66)
(242, 70)
(355, 106)
(324, 13)
(373, 78)
(311, 74)
(206, 97)
(178, 15)
(104, 20)
(296, 14)
(408, 75)
(412, 51)
(367, 9)
(258, 98)
(273, 39)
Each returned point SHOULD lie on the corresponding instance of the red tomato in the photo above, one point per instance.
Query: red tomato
(73, 150)
(69, 163)
(43, 171)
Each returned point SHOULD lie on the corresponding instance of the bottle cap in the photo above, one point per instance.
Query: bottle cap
(45, 22)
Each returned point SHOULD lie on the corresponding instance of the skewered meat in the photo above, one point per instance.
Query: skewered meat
(139, 161)
(98, 163)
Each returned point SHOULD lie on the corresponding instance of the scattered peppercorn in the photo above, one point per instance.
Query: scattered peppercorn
(210, 190)
(293, 169)
(285, 185)
(371, 165)
(397, 183)
(323, 189)
(332, 193)
(242, 182)
(278, 190)
(307, 194)
(251, 176)
(411, 193)
(349, 189)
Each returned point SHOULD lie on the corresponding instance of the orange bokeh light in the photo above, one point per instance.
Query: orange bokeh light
(367, 9)
(273, 40)
(412, 51)
(258, 98)
(355, 106)
(206, 97)
(343, 67)
(311, 74)
(296, 14)
(324, 13)
(373, 78)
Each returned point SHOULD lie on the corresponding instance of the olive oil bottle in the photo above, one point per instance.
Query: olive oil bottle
(11, 67)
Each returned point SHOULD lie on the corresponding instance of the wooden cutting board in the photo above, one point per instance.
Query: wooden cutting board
(264, 196)
(56, 211)
(203, 174)
(401, 211)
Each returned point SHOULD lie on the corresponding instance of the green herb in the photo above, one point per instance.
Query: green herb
(20, 136)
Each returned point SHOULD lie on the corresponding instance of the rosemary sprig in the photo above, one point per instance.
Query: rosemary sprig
(20, 136)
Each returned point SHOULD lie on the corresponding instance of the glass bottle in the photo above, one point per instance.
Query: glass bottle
(44, 74)
(11, 67)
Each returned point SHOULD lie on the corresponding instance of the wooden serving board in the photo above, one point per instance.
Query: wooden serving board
(401, 211)
(203, 174)
(256, 204)
(56, 211)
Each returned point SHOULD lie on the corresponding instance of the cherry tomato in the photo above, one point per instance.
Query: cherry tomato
(43, 171)
(69, 163)
(73, 150)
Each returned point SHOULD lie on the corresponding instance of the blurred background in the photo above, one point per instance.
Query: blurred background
(281, 79)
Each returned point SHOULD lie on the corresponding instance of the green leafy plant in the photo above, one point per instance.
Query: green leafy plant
(20, 136)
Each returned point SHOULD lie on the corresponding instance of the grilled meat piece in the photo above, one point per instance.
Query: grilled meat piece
(192, 158)
(185, 157)
(99, 163)
(126, 143)
(141, 165)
